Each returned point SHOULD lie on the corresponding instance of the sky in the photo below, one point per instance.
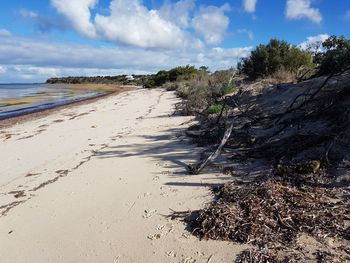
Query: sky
(52, 38)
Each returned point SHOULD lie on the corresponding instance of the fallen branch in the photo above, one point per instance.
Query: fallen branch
(198, 167)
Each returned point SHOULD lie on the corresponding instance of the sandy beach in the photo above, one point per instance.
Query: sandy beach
(96, 182)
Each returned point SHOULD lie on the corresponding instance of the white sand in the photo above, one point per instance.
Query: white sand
(95, 182)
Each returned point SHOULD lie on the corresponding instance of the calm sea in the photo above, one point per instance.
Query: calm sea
(20, 99)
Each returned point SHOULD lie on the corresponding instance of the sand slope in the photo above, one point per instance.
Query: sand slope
(94, 183)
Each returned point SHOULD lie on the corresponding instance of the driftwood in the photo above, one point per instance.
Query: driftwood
(198, 167)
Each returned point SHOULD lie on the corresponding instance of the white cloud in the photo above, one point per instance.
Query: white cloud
(2, 69)
(298, 9)
(221, 58)
(131, 23)
(313, 41)
(178, 12)
(5, 33)
(212, 23)
(32, 60)
(249, 5)
(78, 13)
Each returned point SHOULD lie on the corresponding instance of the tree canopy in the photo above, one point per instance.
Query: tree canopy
(277, 55)
(335, 55)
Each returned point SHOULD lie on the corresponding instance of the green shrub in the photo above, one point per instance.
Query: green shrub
(228, 89)
(196, 97)
(215, 109)
(148, 83)
(186, 73)
(170, 86)
(335, 57)
(161, 77)
(173, 75)
(182, 93)
(268, 59)
(221, 77)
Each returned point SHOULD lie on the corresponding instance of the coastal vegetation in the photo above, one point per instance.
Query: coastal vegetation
(276, 56)
(334, 55)
(178, 74)
(285, 139)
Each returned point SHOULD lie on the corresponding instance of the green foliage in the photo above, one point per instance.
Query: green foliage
(176, 74)
(196, 98)
(335, 56)
(227, 89)
(215, 108)
(266, 60)
(186, 73)
(221, 77)
(170, 86)
(204, 68)
(220, 83)
(206, 91)
(182, 93)
(161, 77)
(222, 90)
(149, 83)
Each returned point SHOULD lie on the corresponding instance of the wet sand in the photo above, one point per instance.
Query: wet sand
(112, 90)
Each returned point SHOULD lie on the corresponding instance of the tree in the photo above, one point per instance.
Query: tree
(335, 57)
(277, 55)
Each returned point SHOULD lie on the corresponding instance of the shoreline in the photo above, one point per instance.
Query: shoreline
(40, 113)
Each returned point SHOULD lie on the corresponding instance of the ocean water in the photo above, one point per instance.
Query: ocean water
(20, 99)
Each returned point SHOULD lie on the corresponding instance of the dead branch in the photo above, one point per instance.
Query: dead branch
(198, 167)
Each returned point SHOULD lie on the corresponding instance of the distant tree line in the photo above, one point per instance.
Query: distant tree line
(118, 80)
